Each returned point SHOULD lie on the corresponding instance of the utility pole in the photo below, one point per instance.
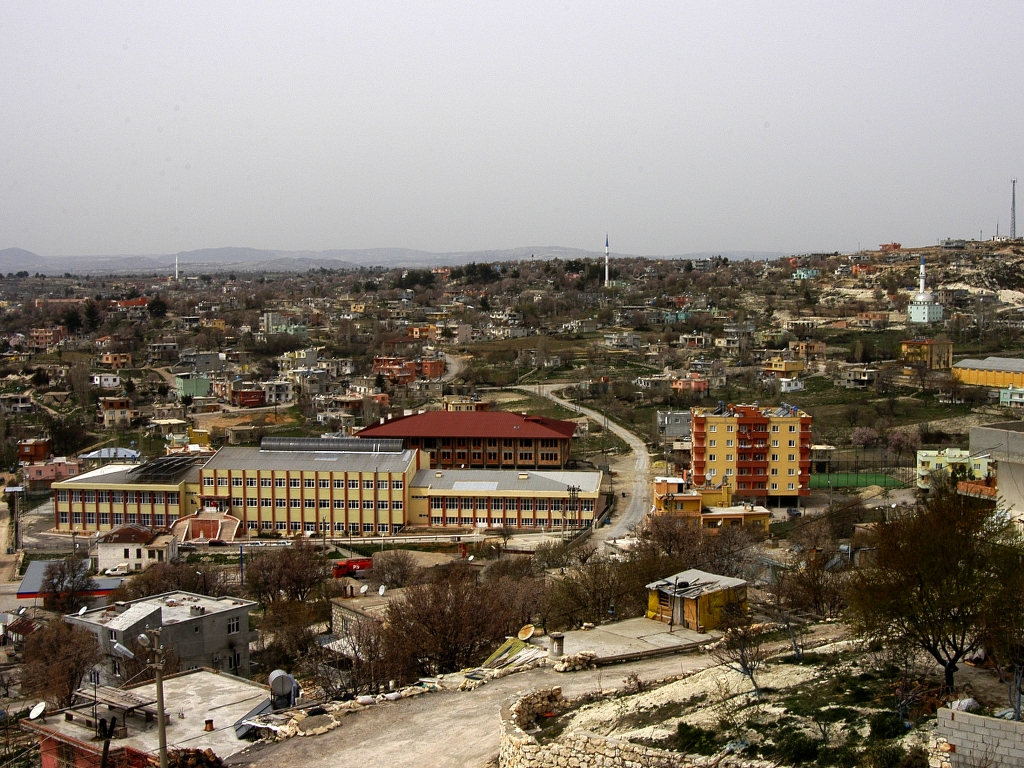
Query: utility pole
(155, 661)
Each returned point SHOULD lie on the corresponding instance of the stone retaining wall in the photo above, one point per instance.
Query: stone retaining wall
(966, 740)
(581, 749)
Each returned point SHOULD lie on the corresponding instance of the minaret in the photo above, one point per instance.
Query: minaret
(606, 261)
(921, 290)
(175, 267)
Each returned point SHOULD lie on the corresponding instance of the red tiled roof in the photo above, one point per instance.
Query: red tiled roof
(498, 424)
(128, 534)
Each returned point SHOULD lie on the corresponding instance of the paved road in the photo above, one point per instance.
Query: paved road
(638, 498)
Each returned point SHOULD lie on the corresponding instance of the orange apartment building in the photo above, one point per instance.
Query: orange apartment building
(402, 370)
(760, 452)
(44, 338)
(116, 360)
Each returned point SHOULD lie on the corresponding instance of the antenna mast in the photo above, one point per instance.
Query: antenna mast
(606, 261)
(1013, 209)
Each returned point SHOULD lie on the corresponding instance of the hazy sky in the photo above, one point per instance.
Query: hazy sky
(155, 127)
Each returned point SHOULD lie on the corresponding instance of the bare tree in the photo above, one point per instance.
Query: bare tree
(291, 573)
(80, 378)
(66, 584)
(742, 647)
(372, 664)
(57, 659)
(505, 533)
(394, 568)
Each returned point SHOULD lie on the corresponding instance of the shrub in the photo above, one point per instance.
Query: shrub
(886, 725)
(693, 739)
(886, 756)
(796, 748)
(917, 757)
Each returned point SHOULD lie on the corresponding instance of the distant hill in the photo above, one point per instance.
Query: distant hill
(257, 260)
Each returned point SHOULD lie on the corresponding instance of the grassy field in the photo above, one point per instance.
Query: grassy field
(855, 480)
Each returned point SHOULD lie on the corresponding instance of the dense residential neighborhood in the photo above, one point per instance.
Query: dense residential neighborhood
(327, 495)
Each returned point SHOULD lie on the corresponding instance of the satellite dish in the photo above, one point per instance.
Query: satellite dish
(364, 589)
(471, 558)
(143, 640)
(21, 611)
(81, 610)
(526, 632)
(37, 710)
(381, 590)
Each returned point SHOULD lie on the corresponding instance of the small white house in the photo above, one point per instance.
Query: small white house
(133, 548)
(791, 385)
(106, 380)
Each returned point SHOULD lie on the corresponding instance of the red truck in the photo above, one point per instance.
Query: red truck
(356, 566)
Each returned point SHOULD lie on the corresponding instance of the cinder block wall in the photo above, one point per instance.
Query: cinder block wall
(978, 740)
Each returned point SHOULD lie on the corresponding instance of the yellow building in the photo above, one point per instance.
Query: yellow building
(484, 498)
(671, 497)
(154, 494)
(759, 452)
(311, 485)
(935, 354)
(711, 508)
(784, 367)
(301, 486)
(695, 599)
(991, 372)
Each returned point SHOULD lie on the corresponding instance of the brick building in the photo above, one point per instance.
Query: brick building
(482, 439)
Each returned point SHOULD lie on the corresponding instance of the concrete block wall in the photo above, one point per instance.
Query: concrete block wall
(975, 741)
(581, 749)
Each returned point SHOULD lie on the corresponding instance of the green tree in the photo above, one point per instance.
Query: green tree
(157, 308)
(92, 315)
(935, 572)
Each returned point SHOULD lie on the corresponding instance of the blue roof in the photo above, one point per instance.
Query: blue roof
(112, 453)
(32, 583)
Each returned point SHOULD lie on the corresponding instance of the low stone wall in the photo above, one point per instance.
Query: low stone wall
(966, 740)
(581, 749)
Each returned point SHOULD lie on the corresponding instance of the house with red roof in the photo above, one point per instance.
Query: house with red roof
(481, 439)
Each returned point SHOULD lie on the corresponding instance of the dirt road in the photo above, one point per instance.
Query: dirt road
(452, 729)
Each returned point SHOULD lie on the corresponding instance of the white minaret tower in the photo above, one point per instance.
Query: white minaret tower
(175, 267)
(606, 261)
(921, 291)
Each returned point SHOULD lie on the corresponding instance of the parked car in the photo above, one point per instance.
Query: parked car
(794, 512)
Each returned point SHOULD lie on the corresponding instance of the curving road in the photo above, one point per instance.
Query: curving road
(638, 501)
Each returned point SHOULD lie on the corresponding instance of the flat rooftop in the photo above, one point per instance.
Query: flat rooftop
(504, 481)
(129, 474)
(190, 698)
(252, 459)
(174, 607)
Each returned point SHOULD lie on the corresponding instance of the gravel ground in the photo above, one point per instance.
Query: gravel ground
(452, 729)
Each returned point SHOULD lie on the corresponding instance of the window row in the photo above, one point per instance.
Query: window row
(117, 518)
(295, 482)
(121, 497)
(322, 527)
(512, 522)
(316, 503)
(510, 505)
